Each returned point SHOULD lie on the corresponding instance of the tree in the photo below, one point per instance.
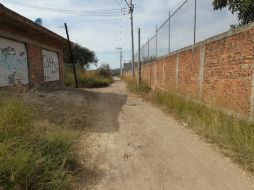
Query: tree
(104, 70)
(243, 8)
(81, 55)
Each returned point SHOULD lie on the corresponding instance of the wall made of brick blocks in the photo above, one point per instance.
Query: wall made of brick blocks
(189, 72)
(153, 76)
(35, 64)
(220, 71)
(228, 72)
(160, 74)
(146, 74)
(170, 73)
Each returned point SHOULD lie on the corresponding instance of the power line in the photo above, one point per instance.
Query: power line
(63, 10)
(107, 12)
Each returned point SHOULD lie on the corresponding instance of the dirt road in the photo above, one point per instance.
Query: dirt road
(137, 147)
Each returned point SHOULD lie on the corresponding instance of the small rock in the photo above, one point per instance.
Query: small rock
(50, 109)
(140, 146)
(42, 95)
(126, 156)
(184, 124)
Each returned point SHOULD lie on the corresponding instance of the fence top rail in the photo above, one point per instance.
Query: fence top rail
(164, 23)
(146, 44)
(152, 38)
(173, 14)
(221, 36)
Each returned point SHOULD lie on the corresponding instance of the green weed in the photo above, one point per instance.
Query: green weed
(31, 158)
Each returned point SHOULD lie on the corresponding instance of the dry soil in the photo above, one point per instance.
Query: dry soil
(133, 145)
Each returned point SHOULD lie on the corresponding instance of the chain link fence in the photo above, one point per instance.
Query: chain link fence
(193, 21)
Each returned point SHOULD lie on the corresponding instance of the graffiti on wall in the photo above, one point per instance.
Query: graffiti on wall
(50, 65)
(13, 63)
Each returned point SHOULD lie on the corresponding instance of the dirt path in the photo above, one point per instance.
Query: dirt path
(137, 147)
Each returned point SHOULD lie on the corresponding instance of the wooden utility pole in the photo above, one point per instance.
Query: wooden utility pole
(71, 55)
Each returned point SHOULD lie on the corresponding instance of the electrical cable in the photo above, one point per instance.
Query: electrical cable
(109, 12)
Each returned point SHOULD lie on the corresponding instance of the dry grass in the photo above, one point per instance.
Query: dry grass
(132, 86)
(32, 156)
(88, 79)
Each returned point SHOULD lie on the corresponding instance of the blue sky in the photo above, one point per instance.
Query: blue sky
(103, 34)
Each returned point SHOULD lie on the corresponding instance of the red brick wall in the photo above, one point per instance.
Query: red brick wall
(224, 78)
(170, 73)
(153, 75)
(35, 65)
(228, 72)
(159, 74)
(146, 74)
(189, 72)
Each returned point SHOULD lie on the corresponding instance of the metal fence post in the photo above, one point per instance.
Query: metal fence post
(169, 32)
(121, 63)
(195, 24)
(156, 38)
(139, 60)
(148, 44)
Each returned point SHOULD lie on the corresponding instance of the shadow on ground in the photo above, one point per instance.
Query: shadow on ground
(87, 111)
(94, 111)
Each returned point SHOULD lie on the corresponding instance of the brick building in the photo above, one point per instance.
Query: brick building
(30, 54)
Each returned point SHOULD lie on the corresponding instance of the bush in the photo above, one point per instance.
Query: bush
(32, 158)
(88, 79)
(104, 70)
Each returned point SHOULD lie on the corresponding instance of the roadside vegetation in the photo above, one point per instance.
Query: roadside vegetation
(234, 135)
(89, 79)
(83, 58)
(133, 87)
(34, 154)
(38, 140)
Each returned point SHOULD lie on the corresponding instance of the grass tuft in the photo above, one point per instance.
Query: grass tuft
(132, 86)
(31, 158)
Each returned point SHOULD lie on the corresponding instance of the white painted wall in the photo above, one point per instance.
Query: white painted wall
(13, 63)
(50, 65)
